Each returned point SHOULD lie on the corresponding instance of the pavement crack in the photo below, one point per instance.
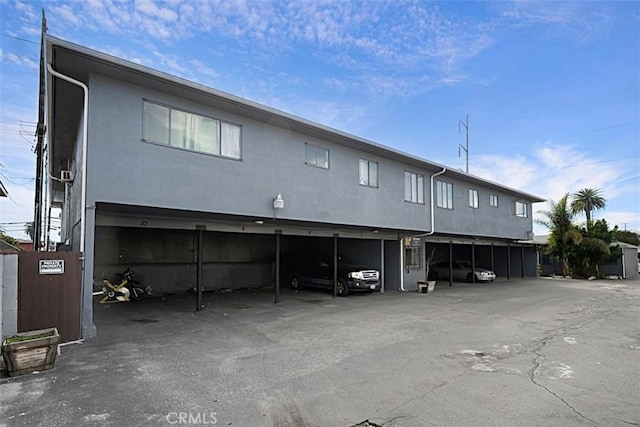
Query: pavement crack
(538, 360)
(628, 422)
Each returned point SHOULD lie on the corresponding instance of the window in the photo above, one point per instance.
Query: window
(444, 195)
(412, 253)
(473, 198)
(413, 187)
(316, 156)
(368, 173)
(521, 209)
(493, 200)
(175, 128)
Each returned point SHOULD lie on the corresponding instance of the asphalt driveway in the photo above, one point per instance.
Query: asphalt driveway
(513, 353)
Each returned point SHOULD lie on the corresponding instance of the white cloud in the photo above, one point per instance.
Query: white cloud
(12, 58)
(583, 21)
(554, 170)
(421, 37)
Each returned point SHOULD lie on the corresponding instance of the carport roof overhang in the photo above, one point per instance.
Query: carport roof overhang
(119, 215)
(478, 240)
(80, 62)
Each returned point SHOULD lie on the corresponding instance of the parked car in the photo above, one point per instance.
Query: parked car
(316, 270)
(461, 271)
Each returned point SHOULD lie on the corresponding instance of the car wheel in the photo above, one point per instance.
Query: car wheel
(342, 290)
(295, 283)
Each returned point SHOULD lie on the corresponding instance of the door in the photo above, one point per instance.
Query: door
(49, 292)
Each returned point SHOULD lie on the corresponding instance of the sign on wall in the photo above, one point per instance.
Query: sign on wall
(51, 266)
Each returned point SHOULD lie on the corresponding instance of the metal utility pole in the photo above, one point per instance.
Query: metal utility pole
(466, 147)
(40, 133)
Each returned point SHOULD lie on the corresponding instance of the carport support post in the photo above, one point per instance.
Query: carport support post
(450, 263)
(200, 229)
(335, 265)
(508, 261)
(276, 288)
(381, 266)
(493, 267)
(473, 262)
(522, 261)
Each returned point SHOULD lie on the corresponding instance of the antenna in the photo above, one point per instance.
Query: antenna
(466, 147)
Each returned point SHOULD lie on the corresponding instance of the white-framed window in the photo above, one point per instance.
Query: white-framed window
(412, 253)
(316, 156)
(413, 187)
(444, 194)
(493, 200)
(368, 173)
(522, 209)
(473, 198)
(169, 126)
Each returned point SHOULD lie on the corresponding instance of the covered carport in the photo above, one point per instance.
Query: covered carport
(175, 251)
(507, 259)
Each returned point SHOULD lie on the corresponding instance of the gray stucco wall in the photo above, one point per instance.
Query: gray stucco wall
(485, 220)
(8, 294)
(124, 169)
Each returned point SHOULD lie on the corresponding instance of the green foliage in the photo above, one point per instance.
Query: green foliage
(587, 200)
(21, 338)
(29, 230)
(628, 237)
(580, 249)
(10, 240)
(564, 235)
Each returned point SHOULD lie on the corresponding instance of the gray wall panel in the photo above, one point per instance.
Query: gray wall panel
(125, 170)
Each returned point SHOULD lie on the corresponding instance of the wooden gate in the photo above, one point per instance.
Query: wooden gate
(49, 292)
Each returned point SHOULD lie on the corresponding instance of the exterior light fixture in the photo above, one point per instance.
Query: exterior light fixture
(278, 202)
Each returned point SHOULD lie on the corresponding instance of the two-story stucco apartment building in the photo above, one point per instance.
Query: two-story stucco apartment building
(170, 177)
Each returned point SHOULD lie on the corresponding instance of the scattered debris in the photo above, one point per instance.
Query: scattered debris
(366, 423)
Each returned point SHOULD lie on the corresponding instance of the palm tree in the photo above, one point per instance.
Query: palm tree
(563, 234)
(588, 200)
(29, 230)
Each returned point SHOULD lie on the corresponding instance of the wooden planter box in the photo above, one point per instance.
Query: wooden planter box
(31, 351)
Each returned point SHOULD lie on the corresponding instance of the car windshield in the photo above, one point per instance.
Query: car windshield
(464, 264)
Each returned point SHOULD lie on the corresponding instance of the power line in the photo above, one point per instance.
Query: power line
(18, 38)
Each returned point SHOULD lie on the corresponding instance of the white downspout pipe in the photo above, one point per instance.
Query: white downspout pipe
(431, 231)
(85, 138)
(433, 204)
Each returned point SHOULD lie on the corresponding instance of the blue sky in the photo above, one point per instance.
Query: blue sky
(552, 89)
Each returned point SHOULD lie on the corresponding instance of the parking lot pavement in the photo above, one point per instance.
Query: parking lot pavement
(517, 353)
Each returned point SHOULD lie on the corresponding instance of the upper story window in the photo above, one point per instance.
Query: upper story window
(316, 156)
(175, 128)
(444, 194)
(473, 198)
(368, 173)
(521, 209)
(493, 200)
(413, 187)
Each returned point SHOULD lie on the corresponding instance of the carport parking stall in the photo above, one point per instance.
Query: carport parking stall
(237, 252)
(506, 259)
